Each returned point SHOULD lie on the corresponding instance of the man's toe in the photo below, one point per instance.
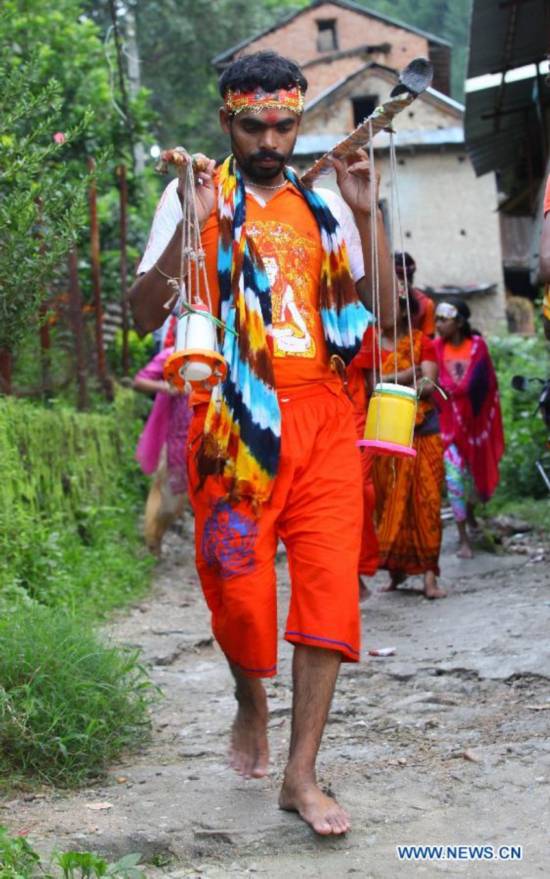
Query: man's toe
(322, 826)
(338, 824)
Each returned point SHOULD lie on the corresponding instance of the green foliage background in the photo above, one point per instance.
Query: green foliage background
(41, 202)
(70, 492)
(524, 430)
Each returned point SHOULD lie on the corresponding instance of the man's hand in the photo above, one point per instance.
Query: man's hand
(203, 168)
(355, 181)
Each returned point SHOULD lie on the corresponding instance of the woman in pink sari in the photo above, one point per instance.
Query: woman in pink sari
(162, 450)
(471, 421)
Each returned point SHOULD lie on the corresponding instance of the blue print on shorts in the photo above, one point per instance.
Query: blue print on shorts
(228, 541)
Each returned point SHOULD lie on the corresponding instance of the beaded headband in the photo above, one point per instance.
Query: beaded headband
(235, 101)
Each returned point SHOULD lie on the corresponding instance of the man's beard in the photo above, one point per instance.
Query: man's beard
(255, 172)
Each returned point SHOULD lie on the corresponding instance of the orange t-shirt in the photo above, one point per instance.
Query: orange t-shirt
(457, 358)
(288, 239)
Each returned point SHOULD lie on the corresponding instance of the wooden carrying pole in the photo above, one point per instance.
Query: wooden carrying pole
(413, 80)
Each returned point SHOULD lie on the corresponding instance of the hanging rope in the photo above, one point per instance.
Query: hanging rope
(395, 291)
(375, 274)
(191, 290)
(397, 216)
(192, 257)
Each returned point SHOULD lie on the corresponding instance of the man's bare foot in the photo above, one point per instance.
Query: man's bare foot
(321, 812)
(248, 751)
(465, 551)
(396, 578)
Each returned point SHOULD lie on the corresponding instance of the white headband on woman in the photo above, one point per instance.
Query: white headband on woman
(446, 310)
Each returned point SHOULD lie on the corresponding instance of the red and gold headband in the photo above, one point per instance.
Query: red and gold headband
(235, 101)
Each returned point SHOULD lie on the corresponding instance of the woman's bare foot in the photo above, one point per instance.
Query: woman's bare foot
(465, 551)
(248, 750)
(321, 812)
(464, 545)
(396, 578)
(431, 589)
(364, 591)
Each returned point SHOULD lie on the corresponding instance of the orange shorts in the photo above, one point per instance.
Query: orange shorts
(316, 508)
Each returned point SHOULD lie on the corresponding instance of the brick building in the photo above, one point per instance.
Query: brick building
(350, 56)
(332, 40)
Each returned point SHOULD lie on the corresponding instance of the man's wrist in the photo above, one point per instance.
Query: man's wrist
(364, 214)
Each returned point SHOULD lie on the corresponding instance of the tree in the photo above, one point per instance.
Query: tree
(449, 19)
(67, 45)
(177, 40)
(58, 41)
(41, 202)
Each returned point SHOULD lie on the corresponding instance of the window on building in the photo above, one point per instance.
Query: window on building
(327, 38)
(363, 105)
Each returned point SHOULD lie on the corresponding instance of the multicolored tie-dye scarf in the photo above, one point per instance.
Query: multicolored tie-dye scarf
(242, 434)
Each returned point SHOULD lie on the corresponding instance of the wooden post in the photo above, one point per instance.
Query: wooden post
(75, 311)
(45, 338)
(45, 353)
(6, 365)
(121, 171)
(96, 276)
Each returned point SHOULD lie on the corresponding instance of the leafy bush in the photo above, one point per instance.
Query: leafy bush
(38, 196)
(69, 704)
(525, 432)
(70, 492)
(18, 860)
(140, 352)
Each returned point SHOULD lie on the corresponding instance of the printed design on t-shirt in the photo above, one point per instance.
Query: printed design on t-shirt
(458, 368)
(288, 259)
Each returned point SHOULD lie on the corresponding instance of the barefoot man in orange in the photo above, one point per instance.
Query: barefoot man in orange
(275, 457)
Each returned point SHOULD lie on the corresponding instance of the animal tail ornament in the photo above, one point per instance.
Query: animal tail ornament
(242, 433)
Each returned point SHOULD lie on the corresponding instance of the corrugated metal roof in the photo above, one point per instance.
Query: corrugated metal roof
(317, 144)
(507, 33)
(498, 122)
(493, 141)
(502, 124)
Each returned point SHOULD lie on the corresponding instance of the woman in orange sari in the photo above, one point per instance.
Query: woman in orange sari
(408, 490)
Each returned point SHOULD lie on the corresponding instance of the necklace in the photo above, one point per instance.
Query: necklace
(264, 186)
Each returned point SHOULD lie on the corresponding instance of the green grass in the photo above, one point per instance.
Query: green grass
(70, 498)
(19, 860)
(86, 568)
(69, 703)
(70, 552)
(532, 510)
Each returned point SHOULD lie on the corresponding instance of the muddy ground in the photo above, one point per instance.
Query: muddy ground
(445, 742)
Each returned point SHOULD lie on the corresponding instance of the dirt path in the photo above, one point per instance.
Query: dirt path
(444, 743)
